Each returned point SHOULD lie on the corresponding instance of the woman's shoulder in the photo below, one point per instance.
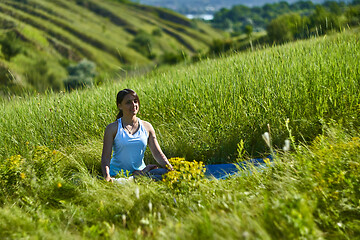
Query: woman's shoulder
(112, 127)
(147, 126)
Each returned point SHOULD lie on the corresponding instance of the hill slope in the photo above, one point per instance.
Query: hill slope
(113, 34)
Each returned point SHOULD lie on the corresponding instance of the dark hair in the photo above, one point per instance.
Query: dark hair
(120, 97)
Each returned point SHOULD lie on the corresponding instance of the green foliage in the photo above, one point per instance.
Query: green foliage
(40, 76)
(286, 22)
(157, 32)
(143, 43)
(4, 75)
(322, 21)
(211, 105)
(286, 28)
(40, 170)
(353, 15)
(306, 194)
(220, 46)
(173, 58)
(80, 75)
(10, 45)
(248, 30)
(259, 17)
(214, 111)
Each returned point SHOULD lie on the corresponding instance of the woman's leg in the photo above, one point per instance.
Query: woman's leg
(156, 174)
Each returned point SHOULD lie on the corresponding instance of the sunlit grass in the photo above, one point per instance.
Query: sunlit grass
(202, 111)
(51, 147)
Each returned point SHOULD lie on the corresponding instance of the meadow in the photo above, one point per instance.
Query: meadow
(306, 91)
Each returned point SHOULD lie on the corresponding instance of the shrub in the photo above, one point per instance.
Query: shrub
(174, 58)
(285, 28)
(221, 46)
(80, 75)
(142, 43)
(157, 32)
(42, 174)
(10, 45)
(4, 75)
(248, 30)
(40, 77)
(353, 15)
(322, 21)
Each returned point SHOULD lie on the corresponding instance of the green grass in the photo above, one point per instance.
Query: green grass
(310, 194)
(200, 112)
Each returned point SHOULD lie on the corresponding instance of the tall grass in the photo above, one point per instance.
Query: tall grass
(202, 111)
(310, 194)
(51, 146)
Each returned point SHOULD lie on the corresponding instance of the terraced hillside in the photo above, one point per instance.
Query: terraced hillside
(47, 36)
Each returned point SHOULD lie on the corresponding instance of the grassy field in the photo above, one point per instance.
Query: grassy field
(306, 91)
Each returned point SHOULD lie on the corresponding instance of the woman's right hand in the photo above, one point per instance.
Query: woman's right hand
(109, 179)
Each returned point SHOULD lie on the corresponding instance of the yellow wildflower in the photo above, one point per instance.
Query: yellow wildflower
(14, 161)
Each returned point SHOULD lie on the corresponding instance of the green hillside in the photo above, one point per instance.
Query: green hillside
(40, 38)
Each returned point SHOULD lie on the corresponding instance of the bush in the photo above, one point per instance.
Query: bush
(157, 32)
(10, 45)
(4, 75)
(322, 21)
(80, 75)
(174, 58)
(41, 165)
(142, 43)
(248, 30)
(39, 76)
(353, 15)
(285, 28)
(221, 46)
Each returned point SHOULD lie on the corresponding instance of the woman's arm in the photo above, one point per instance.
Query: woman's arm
(155, 147)
(109, 136)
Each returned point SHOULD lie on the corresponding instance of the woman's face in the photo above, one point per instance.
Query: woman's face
(129, 105)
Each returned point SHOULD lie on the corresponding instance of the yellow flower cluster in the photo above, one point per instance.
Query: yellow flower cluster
(14, 161)
(184, 172)
(44, 154)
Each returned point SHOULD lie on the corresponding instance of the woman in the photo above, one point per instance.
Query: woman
(128, 137)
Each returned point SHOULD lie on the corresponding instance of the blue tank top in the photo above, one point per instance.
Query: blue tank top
(128, 150)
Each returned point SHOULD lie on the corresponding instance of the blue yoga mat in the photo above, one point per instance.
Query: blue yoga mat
(222, 171)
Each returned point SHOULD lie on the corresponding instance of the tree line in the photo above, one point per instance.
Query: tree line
(285, 22)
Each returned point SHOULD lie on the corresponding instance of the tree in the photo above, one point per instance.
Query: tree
(248, 30)
(285, 28)
(322, 21)
(353, 15)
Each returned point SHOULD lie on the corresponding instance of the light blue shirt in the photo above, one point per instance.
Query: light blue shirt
(128, 150)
